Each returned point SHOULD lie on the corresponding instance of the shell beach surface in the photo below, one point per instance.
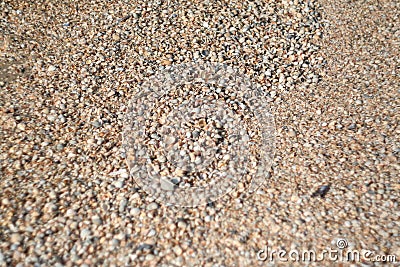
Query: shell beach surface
(329, 73)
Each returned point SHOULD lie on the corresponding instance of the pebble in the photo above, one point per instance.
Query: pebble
(122, 204)
(16, 238)
(177, 250)
(70, 213)
(152, 206)
(119, 183)
(166, 185)
(151, 233)
(21, 126)
(168, 140)
(51, 68)
(149, 257)
(51, 117)
(292, 133)
(85, 233)
(96, 220)
(96, 124)
(60, 147)
(5, 201)
(134, 211)
(182, 224)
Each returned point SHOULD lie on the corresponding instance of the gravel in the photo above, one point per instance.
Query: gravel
(68, 70)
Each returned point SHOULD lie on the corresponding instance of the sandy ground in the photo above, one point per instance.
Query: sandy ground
(66, 199)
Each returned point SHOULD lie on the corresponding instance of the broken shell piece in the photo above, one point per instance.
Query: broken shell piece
(202, 123)
(180, 172)
(168, 140)
(165, 184)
